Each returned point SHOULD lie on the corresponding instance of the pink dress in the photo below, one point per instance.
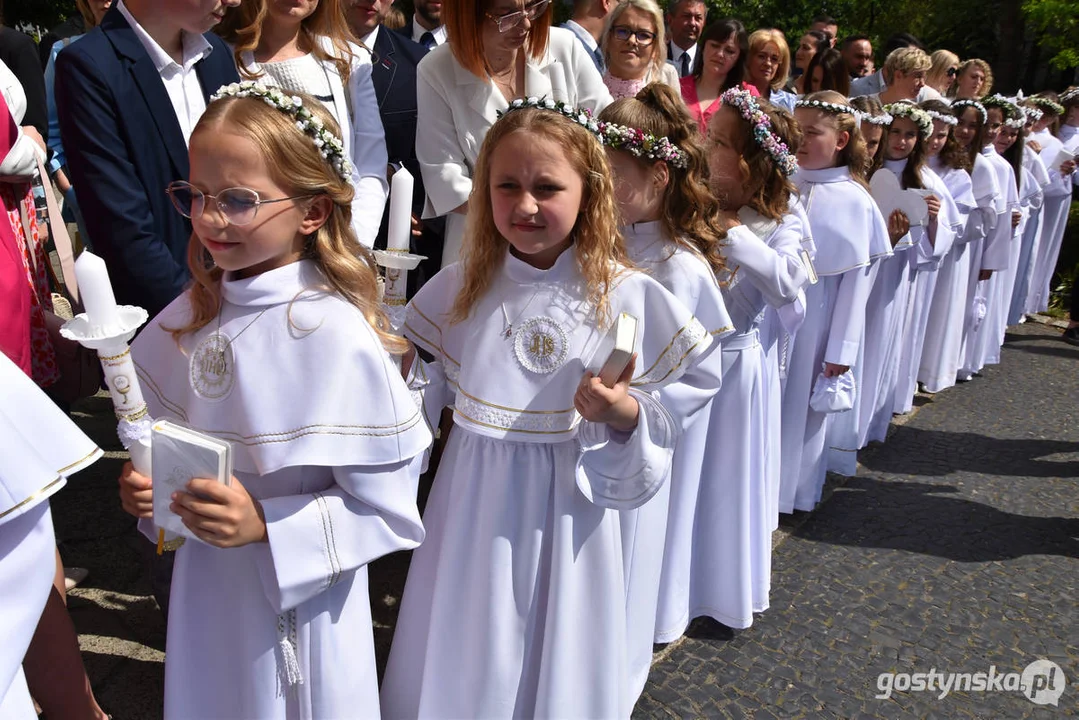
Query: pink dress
(704, 115)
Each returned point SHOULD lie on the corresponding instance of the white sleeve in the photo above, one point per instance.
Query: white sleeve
(447, 175)
(317, 539)
(369, 158)
(776, 270)
(592, 93)
(848, 317)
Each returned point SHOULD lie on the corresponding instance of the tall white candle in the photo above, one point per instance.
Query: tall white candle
(96, 292)
(400, 225)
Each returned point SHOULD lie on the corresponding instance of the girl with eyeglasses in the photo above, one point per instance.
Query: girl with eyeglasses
(635, 49)
(499, 51)
(281, 348)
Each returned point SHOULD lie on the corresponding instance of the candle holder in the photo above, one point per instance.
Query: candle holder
(396, 265)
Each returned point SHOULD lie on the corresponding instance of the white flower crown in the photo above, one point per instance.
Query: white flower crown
(882, 119)
(329, 145)
(1033, 114)
(1070, 95)
(959, 105)
(914, 113)
(826, 107)
(945, 118)
(1013, 114)
(1044, 103)
(763, 135)
(582, 116)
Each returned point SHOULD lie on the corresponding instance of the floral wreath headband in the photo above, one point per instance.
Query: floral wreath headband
(946, 118)
(1013, 114)
(882, 119)
(958, 106)
(913, 113)
(1044, 103)
(1033, 114)
(763, 134)
(1070, 95)
(827, 107)
(619, 137)
(329, 145)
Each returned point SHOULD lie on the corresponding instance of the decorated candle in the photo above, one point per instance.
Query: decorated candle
(400, 225)
(96, 292)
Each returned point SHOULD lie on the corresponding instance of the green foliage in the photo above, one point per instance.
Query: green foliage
(1057, 23)
(44, 13)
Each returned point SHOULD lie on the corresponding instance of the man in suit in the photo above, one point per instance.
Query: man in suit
(393, 73)
(128, 96)
(587, 25)
(685, 18)
(426, 27)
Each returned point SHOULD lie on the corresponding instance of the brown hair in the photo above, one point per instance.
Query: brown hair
(987, 84)
(951, 155)
(853, 155)
(242, 28)
(912, 173)
(597, 241)
(978, 142)
(769, 189)
(834, 74)
(297, 165)
(464, 21)
(690, 209)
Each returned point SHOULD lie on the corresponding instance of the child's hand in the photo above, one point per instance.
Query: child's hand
(136, 493)
(832, 370)
(933, 202)
(1067, 168)
(614, 406)
(221, 515)
(1016, 217)
(1035, 145)
(898, 226)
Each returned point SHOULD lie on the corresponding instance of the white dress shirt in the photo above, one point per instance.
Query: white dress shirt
(418, 31)
(180, 80)
(676, 54)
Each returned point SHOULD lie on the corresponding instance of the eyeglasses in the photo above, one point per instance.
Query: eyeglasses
(952, 72)
(511, 20)
(238, 205)
(623, 34)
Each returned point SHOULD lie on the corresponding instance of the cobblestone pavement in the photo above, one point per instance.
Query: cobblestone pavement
(955, 549)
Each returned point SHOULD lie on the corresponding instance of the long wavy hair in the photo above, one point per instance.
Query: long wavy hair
(297, 165)
(598, 244)
(769, 189)
(690, 209)
(242, 28)
(853, 155)
(951, 155)
(912, 173)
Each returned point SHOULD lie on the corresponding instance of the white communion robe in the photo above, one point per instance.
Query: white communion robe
(988, 190)
(327, 436)
(948, 306)
(515, 606)
(717, 562)
(937, 238)
(1054, 220)
(39, 448)
(996, 256)
(1030, 238)
(689, 278)
(849, 233)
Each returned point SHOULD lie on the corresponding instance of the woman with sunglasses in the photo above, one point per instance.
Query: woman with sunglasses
(942, 74)
(498, 51)
(635, 50)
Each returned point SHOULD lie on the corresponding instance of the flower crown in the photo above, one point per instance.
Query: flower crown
(946, 118)
(641, 144)
(1013, 114)
(1033, 114)
(329, 145)
(1044, 103)
(582, 116)
(826, 107)
(959, 105)
(1069, 95)
(763, 134)
(882, 119)
(914, 113)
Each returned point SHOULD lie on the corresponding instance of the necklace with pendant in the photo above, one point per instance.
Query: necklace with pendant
(507, 324)
(212, 365)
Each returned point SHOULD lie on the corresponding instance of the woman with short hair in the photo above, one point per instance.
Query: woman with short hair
(768, 65)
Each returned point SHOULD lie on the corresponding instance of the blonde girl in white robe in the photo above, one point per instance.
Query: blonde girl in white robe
(674, 233)
(279, 347)
(515, 606)
(850, 235)
(717, 562)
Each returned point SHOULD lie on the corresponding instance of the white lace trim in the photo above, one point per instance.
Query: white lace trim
(498, 417)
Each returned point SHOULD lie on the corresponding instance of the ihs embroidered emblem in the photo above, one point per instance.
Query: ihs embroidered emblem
(212, 367)
(541, 345)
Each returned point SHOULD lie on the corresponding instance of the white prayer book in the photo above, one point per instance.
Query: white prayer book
(178, 455)
(613, 354)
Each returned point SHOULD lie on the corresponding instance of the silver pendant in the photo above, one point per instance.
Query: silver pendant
(541, 345)
(212, 367)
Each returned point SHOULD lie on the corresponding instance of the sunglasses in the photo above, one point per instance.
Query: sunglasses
(238, 205)
(952, 72)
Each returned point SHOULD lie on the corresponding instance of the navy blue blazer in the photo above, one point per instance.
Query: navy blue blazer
(124, 146)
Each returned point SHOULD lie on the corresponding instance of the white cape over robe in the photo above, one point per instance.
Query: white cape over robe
(515, 606)
(326, 435)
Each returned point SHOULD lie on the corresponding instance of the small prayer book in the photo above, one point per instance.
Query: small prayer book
(613, 354)
(179, 455)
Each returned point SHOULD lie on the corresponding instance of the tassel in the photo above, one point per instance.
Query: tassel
(289, 672)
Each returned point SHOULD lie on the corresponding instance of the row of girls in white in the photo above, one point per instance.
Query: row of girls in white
(570, 524)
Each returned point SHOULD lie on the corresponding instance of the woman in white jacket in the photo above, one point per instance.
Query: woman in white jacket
(306, 46)
(498, 50)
